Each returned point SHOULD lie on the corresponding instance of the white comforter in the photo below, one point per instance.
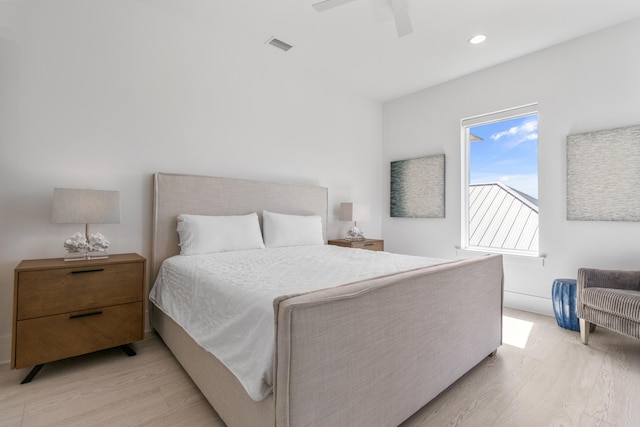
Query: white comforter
(225, 300)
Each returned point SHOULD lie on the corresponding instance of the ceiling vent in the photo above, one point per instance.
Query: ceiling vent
(279, 44)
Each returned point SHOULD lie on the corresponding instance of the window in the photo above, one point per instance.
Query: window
(500, 182)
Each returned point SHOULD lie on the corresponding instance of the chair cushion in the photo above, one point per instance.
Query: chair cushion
(620, 302)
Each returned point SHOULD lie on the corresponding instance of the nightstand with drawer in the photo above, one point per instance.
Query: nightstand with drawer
(369, 244)
(65, 309)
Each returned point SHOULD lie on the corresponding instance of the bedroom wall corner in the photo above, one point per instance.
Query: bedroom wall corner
(103, 94)
(582, 85)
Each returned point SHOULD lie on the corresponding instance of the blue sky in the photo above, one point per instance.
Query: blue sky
(508, 154)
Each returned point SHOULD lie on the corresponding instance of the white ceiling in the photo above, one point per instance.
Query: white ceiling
(355, 46)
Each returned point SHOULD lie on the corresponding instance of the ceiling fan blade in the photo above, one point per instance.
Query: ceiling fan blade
(329, 4)
(401, 16)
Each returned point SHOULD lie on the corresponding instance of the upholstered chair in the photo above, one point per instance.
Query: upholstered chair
(609, 298)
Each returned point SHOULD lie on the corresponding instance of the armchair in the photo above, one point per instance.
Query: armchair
(609, 298)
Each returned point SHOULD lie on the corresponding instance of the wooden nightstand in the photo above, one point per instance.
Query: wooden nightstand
(64, 309)
(370, 244)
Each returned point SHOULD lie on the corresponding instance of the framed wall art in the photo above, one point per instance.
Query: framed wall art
(603, 175)
(417, 187)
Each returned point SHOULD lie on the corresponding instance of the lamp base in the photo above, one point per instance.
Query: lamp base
(84, 256)
(97, 255)
(75, 256)
(355, 233)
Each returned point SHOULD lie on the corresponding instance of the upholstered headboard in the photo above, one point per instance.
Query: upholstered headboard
(204, 195)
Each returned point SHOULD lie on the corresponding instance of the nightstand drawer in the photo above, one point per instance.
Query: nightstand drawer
(376, 245)
(66, 335)
(55, 291)
(369, 244)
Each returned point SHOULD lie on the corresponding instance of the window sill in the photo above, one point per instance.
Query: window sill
(509, 257)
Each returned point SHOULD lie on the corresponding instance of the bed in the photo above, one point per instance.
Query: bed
(371, 352)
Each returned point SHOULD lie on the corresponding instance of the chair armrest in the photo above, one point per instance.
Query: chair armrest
(617, 279)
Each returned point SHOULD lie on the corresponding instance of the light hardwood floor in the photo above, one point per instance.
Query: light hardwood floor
(553, 381)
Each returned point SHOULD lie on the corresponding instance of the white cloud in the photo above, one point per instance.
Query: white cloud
(516, 135)
(530, 126)
(510, 132)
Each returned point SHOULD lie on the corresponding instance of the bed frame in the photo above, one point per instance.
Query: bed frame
(367, 353)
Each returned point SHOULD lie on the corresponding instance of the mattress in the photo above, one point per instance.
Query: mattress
(224, 301)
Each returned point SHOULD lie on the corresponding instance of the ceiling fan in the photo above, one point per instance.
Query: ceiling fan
(399, 7)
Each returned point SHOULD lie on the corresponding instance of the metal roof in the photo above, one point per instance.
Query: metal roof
(502, 217)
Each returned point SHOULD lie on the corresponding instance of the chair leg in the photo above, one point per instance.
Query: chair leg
(585, 328)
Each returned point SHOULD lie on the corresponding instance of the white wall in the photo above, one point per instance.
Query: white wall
(587, 84)
(101, 94)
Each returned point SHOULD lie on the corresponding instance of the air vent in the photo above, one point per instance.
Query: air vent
(279, 44)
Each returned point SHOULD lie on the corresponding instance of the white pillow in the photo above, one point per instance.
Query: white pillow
(202, 234)
(291, 230)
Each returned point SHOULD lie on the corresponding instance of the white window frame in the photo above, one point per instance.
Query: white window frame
(465, 126)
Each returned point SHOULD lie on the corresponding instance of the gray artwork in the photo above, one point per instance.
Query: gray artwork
(417, 187)
(603, 175)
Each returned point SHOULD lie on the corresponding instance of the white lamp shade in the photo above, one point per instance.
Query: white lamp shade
(352, 211)
(76, 206)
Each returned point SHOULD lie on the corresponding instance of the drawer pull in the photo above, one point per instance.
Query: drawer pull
(368, 244)
(95, 270)
(94, 313)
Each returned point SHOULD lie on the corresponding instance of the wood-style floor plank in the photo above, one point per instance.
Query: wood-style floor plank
(477, 398)
(541, 376)
(561, 399)
(616, 392)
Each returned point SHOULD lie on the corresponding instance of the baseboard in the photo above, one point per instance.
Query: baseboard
(530, 303)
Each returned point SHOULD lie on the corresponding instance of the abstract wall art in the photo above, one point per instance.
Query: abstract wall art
(603, 175)
(417, 187)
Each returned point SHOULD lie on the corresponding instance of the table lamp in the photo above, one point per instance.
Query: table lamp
(79, 206)
(355, 212)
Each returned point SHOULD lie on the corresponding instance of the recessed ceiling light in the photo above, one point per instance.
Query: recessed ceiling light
(477, 39)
